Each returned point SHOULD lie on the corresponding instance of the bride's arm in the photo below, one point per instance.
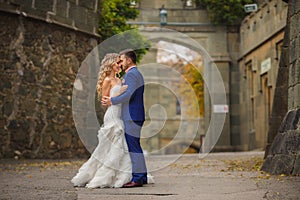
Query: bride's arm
(106, 87)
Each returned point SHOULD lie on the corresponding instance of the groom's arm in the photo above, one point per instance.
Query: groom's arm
(125, 97)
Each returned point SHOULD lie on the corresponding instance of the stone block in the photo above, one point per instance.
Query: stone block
(61, 8)
(84, 27)
(291, 78)
(294, 29)
(297, 69)
(296, 170)
(25, 3)
(297, 7)
(14, 1)
(279, 164)
(10, 7)
(36, 13)
(290, 121)
(73, 1)
(267, 165)
(44, 5)
(292, 51)
(297, 95)
(78, 14)
(283, 164)
(297, 43)
(91, 18)
(277, 144)
(87, 4)
(291, 98)
(292, 142)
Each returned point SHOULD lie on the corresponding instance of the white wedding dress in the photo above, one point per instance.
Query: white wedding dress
(109, 164)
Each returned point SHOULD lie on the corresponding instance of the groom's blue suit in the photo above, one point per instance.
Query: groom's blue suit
(133, 114)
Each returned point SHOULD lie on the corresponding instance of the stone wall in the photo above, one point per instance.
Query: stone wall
(294, 56)
(284, 153)
(259, 57)
(177, 12)
(79, 15)
(39, 62)
(267, 21)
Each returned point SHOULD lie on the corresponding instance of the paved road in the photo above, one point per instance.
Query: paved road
(216, 176)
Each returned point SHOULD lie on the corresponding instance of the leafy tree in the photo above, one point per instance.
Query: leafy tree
(114, 15)
(192, 73)
(195, 79)
(226, 12)
(113, 18)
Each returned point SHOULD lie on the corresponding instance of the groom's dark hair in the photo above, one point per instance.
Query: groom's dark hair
(130, 54)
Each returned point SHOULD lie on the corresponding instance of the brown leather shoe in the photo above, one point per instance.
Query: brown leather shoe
(132, 184)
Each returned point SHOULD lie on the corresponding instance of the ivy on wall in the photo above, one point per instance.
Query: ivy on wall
(224, 12)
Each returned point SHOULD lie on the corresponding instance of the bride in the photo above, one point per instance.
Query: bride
(109, 164)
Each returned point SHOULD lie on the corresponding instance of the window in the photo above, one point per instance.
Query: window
(250, 74)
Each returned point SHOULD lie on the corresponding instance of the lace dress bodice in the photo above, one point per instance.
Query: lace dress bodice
(113, 112)
(114, 90)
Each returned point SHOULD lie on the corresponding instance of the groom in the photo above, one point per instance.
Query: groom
(133, 115)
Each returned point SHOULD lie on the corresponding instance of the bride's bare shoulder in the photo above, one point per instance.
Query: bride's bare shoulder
(107, 79)
(106, 83)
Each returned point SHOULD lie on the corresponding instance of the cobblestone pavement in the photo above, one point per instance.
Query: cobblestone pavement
(216, 176)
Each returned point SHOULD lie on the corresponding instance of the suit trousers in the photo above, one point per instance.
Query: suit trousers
(132, 135)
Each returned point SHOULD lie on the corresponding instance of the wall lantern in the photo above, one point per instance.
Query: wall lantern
(163, 14)
(188, 3)
(133, 4)
(250, 7)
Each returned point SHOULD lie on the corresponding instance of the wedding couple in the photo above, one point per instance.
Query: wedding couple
(118, 159)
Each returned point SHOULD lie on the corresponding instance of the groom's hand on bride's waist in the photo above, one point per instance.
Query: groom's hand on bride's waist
(106, 101)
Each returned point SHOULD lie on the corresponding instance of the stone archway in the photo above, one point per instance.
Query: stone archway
(161, 141)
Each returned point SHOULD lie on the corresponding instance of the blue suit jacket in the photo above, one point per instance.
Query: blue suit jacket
(133, 98)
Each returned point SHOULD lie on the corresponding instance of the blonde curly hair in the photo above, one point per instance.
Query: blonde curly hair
(105, 70)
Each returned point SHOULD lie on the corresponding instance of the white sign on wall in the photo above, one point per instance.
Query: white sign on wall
(265, 66)
(220, 108)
